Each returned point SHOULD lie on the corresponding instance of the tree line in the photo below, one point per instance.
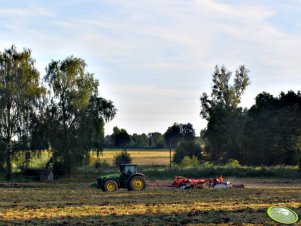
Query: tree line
(268, 133)
(62, 111)
(171, 138)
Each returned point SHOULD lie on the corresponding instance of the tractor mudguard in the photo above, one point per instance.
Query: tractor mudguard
(136, 174)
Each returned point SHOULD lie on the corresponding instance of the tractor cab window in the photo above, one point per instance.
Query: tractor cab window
(128, 170)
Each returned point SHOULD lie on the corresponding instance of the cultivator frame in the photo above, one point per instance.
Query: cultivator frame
(187, 183)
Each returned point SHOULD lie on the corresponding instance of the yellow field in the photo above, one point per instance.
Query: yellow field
(79, 204)
(140, 156)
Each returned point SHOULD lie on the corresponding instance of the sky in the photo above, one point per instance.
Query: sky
(154, 58)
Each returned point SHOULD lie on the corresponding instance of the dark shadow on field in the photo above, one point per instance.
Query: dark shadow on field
(237, 217)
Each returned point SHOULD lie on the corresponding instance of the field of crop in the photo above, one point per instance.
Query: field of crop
(66, 204)
(140, 156)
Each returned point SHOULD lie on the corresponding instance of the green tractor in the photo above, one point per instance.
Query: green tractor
(127, 178)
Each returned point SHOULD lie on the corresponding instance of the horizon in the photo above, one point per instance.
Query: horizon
(154, 59)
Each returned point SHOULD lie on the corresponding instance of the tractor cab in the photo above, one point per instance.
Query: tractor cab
(128, 169)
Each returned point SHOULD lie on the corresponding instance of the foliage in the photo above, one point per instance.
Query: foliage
(140, 141)
(75, 113)
(273, 129)
(225, 120)
(122, 158)
(152, 140)
(178, 132)
(190, 162)
(173, 135)
(224, 133)
(266, 134)
(283, 172)
(102, 163)
(59, 168)
(156, 140)
(187, 148)
(207, 164)
(233, 163)
(223, 93)
(188, 132)
(30, 159)
(20, 95)
(120, 137)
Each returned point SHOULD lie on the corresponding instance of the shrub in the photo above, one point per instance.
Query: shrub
(101, 164)
(207, 164)
(122, 158)
(187, 148)
(233, 163)
(244, 171)
(58, 169)
(187, 161)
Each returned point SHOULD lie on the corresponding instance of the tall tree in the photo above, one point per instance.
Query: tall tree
(75, 113)
(120, 137)
(224, 93)
(178, 132)
(225, 118)
(173, 135)
(20, 93)
(187, 132)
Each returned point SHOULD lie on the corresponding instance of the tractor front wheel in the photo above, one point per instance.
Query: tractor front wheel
(137, 183)
(110, 186)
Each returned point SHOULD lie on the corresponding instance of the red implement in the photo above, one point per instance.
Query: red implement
(183, 182)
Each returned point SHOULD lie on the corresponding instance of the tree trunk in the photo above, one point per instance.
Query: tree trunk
(68, 162)
(8, 162)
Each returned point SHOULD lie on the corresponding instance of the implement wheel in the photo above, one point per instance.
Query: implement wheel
(110, 186)
(137, 183)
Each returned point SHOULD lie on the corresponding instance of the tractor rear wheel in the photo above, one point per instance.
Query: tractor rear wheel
(110, 186)
(137, 183)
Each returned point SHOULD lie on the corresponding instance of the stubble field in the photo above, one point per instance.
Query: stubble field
(79, 204)
(139, 156)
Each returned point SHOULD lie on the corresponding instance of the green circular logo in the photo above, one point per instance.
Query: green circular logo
(282, 215)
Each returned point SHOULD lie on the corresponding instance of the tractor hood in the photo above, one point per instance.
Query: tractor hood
(102, 179)
(115, 176)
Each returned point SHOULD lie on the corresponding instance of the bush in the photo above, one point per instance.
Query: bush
(207, 164)
(233, 163)
(187, 148)
(58, 169)
(101, 164)
(122, 158)
(215, 171)
(190, 162)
